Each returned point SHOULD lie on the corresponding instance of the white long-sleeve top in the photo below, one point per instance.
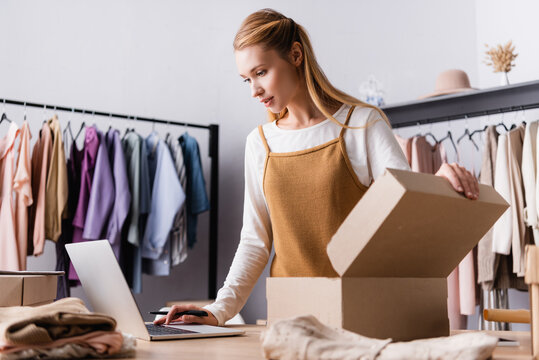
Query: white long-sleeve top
(376, 144)
(503, 228)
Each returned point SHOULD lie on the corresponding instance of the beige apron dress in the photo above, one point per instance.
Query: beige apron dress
(309, 194)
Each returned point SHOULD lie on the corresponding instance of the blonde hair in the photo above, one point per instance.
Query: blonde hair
(273, 30)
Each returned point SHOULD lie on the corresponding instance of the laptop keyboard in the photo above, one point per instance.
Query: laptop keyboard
(163, 330)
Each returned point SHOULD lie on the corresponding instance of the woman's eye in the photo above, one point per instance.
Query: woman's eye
(260, 73)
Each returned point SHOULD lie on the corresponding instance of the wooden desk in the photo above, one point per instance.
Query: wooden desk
(248, 347)
(220, 348)
(524, 351)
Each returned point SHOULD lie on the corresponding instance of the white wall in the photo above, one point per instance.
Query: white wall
(499, 21)
(174, 60)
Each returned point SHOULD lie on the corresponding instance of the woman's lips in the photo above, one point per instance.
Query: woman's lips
(268, 101)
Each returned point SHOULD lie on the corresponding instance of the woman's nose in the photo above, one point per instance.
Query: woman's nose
(256, 90)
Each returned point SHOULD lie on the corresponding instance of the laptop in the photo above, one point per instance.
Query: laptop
(108, 293)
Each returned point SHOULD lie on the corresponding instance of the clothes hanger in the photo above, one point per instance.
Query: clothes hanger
(426, 134)
(4, 116)
(44, 114)
(523, 116)
(68, 131)
(502, 124)
(180, 138)
(449, 137)
(127, 127)
(514, 124)
(82, 126)
(468, 134)
(110, 123)
(167, 136)
(478, 131)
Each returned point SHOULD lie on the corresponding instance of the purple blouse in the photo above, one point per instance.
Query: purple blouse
(91, 145)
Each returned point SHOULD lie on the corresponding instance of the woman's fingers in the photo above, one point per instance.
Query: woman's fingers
(172, 313)
(476, 184)
(461, 179)
(172, 316)
(160, 321)
(465, 180)
(196, 319)
(447, 172)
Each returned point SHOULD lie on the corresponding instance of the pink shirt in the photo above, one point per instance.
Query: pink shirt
(9, 255)
(23, 193)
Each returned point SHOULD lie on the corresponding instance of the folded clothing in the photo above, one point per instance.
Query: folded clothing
(75, 350)
(304, 337)
(65, 318)
(99, 342)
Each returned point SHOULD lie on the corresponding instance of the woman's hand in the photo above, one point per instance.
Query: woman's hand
(171, 316)
(461, 179)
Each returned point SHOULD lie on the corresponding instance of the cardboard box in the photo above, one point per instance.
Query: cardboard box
(28, 288)
(393, 253)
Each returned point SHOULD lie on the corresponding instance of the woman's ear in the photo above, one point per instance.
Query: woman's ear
(296, 54)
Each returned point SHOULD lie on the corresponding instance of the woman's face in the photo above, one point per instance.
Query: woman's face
(273, 80)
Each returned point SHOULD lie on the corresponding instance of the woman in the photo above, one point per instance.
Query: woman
(305, 169)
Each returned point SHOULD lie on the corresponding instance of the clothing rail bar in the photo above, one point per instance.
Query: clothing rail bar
(214, 174)
(100, 113)
(496, 100)
(468, 115)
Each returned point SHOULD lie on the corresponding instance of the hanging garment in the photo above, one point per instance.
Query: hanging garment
(74, 167)
(486, 258)
(138, 172)
(101, 197)
(425, 157)
(530, 179)
(178, 234)
(502, 231)
(167, 199)
(520, 234)
(136, 157)
(303, 224)
(197, 199)
(23, 193)
(56, 192)
(122, 195)
(466, 269)
(40, 165)
(406, 146)
(91, 146)
(9, 255)
(503, 228)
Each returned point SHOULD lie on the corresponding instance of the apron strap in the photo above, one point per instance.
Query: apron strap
(263, 139)
(347, 120)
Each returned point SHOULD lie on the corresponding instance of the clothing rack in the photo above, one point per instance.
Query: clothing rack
(474, 103)
(214, 172)
(496, 100)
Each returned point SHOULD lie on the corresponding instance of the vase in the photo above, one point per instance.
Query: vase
(504, 79)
